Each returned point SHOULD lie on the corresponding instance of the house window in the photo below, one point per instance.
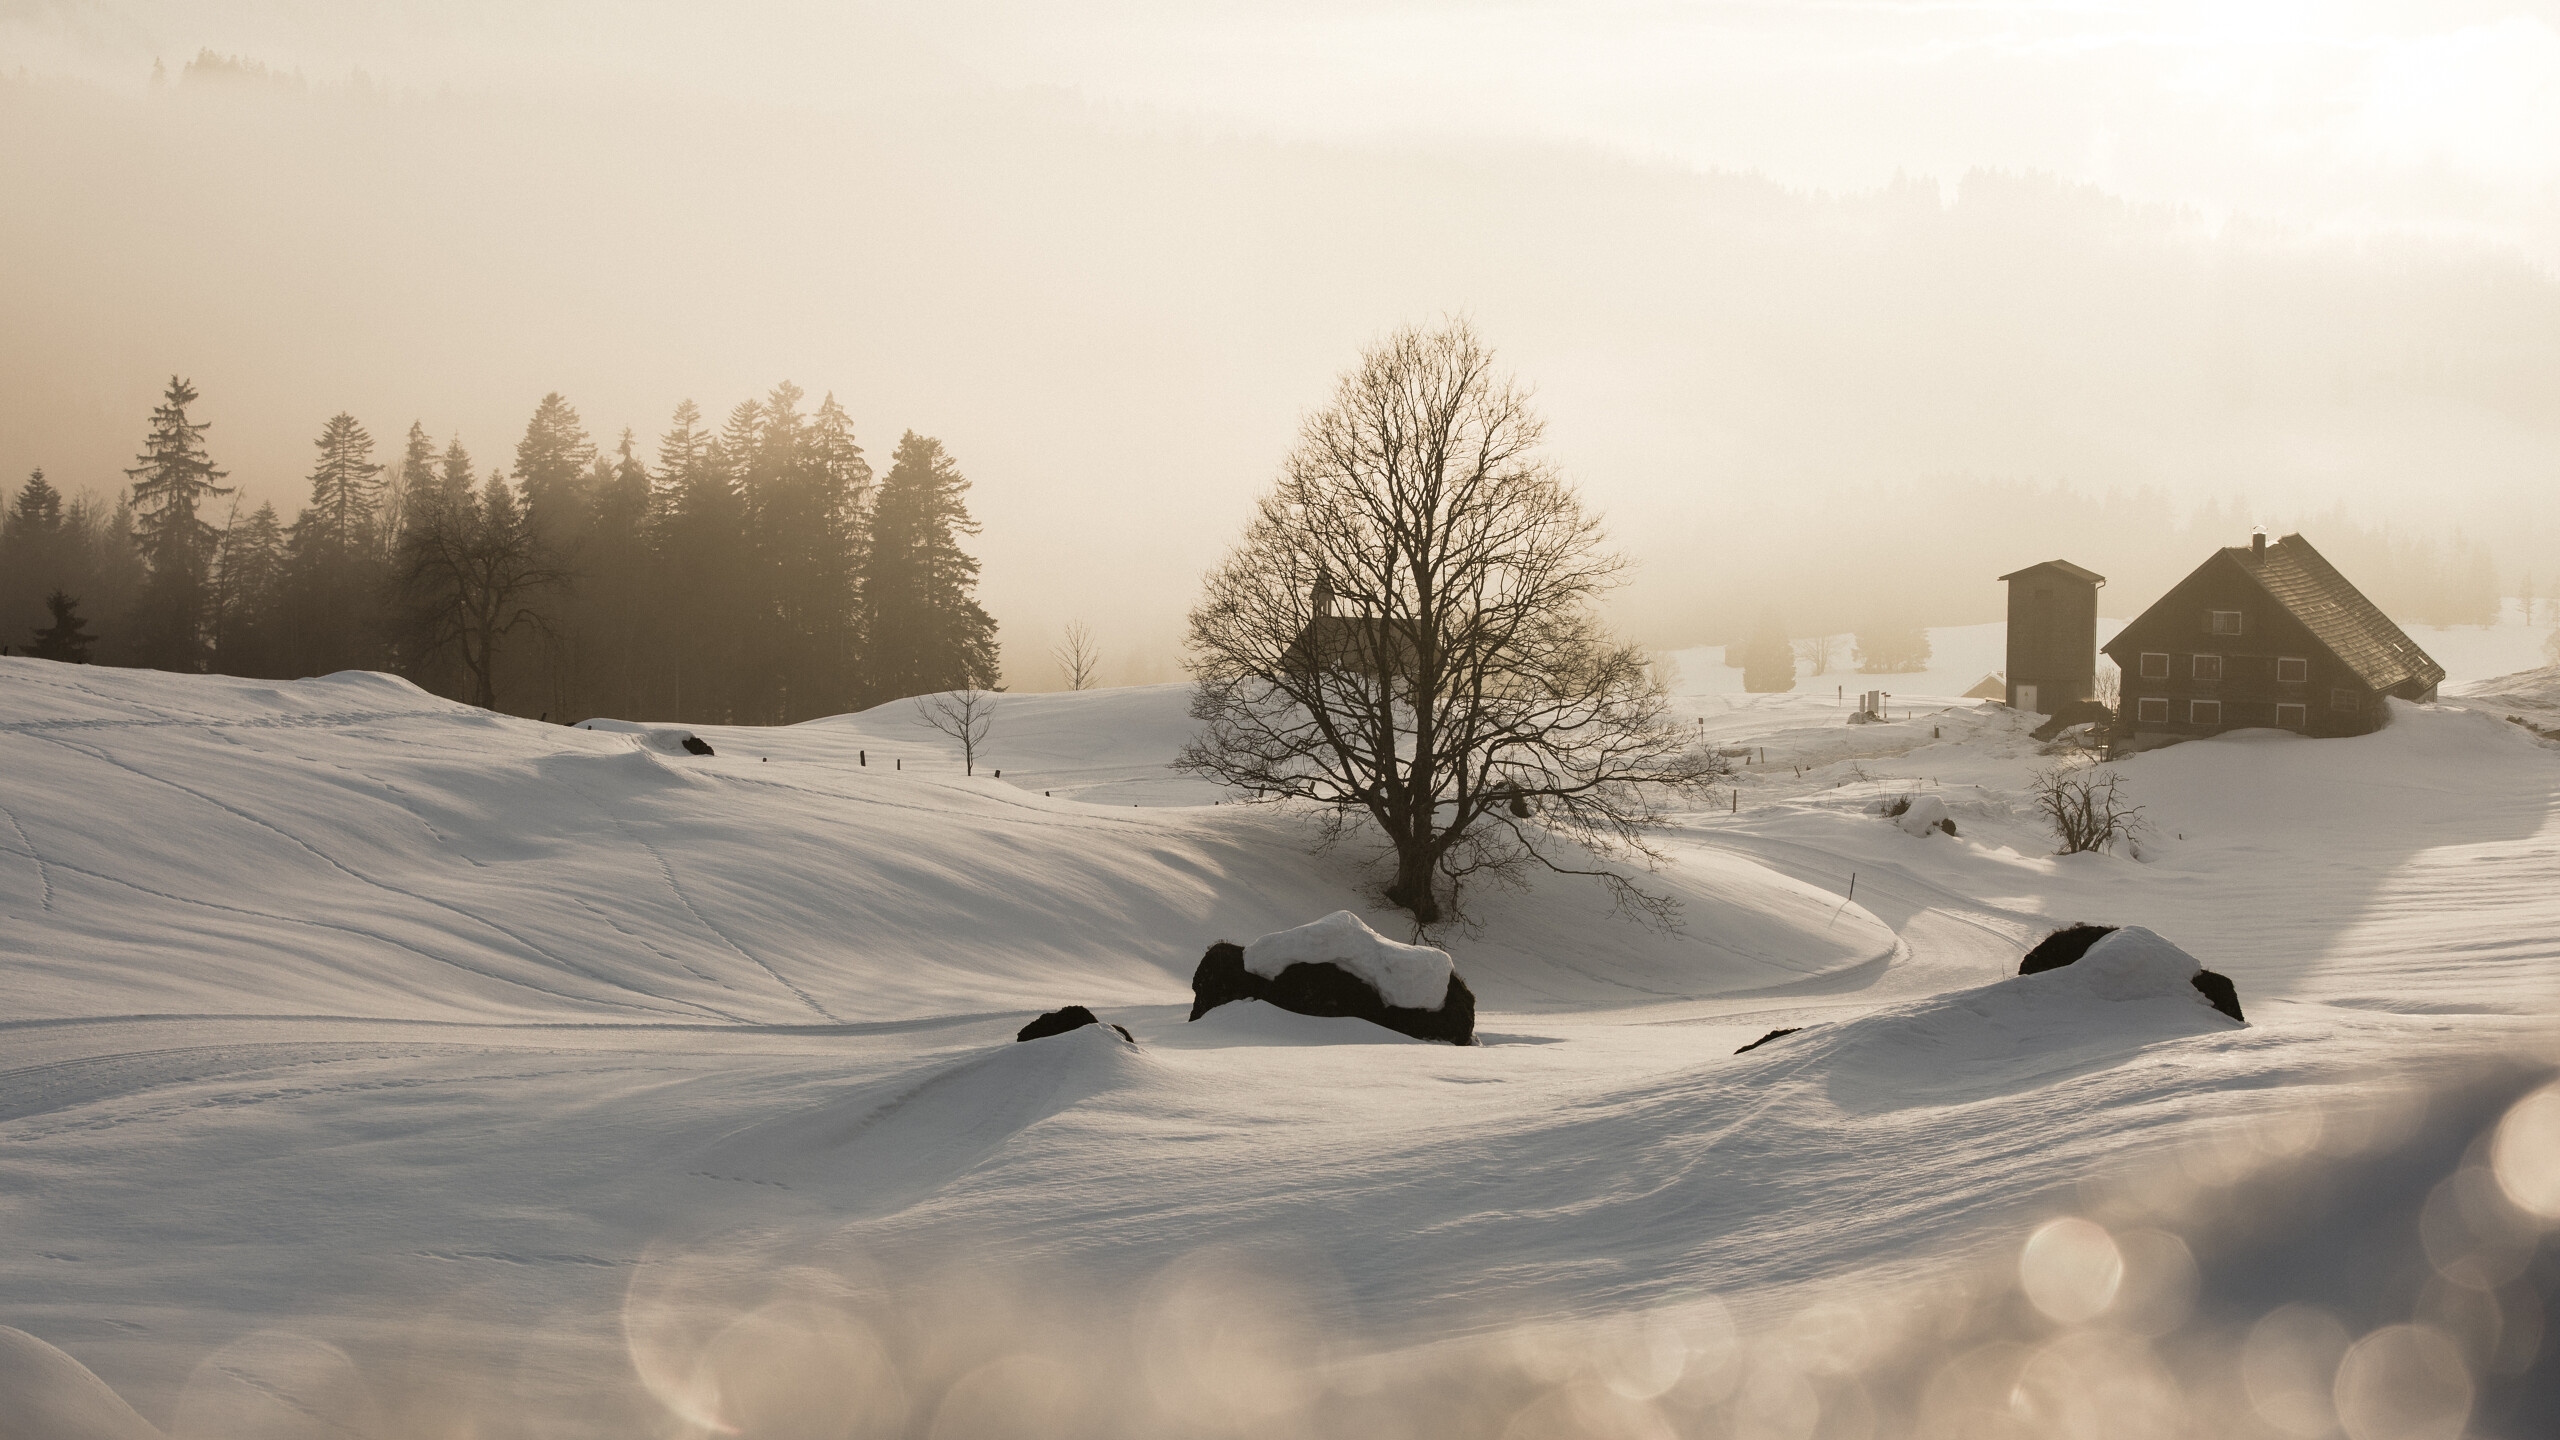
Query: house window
(2293, 717)
(2290, 671)
(2206, 667)
(2222, 622)
(2152, 709)
(2204, 712)
(2154, 667)
(2345, 701)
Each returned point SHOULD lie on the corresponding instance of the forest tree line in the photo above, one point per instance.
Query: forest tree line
(756, 573)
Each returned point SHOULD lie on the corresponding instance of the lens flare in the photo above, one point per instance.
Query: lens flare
(2071, 1270)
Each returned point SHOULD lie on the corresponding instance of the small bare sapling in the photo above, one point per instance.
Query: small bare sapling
(964, 715)
(2084, 806)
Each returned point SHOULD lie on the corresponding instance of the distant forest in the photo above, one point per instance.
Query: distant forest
(758, 573)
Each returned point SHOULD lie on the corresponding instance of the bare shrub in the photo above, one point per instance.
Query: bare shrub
(2085, 807)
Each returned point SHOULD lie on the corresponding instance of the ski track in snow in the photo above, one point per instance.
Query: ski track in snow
(44, 873)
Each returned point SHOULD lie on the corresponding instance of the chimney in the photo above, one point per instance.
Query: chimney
(2257, 542)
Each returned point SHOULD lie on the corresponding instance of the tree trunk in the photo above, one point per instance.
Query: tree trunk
(1412, 890)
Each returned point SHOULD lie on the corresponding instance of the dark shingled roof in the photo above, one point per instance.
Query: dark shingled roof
(2303, 581)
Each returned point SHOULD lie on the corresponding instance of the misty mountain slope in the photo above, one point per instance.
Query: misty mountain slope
(349, 845)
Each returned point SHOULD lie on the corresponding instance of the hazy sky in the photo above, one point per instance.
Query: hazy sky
(2290, 253)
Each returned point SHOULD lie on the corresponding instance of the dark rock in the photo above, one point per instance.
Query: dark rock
(2224, 995)
(1765, 1039)
(697, 745)
(2062, 947)
(1059, 1022)
(1328, 990)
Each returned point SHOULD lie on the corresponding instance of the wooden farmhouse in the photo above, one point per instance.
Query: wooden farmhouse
(2265, 635)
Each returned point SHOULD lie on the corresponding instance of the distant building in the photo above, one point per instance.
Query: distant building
(2264, 635)
(2053, 636)
(1362, 645)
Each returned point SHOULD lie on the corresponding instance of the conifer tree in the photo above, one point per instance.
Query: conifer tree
(618, 591)
(926, 631)
(809, 478)
(551, 464)
(332, 578)
(250, 612)
(171, 619)
(702, 547)
(555, 470)
(1768, 658)
(414, 476)
(66, 639)
(36, 553)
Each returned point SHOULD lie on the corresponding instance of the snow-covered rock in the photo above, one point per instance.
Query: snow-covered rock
(1926, 814)
(665, 739)
(1339, 967)
(1062, 1020)
(2132, 963)
(1413, 977)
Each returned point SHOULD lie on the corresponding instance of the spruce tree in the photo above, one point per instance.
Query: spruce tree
(333, 576)
(551, 466)
(554, 469)
(172, 617)
(618, 592)
(702, 547)
(251, 616)
(412, 478)
(36, 553)
(926, 631)
(67, 638)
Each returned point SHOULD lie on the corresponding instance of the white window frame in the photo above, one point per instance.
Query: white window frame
(2301, 716)
(2147, 672)
(2195, 667)
(2302, 675)
(2195, 712)
(2213, 622)
(2346, 702)
(2142, 709)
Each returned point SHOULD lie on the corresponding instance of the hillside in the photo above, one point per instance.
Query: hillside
(362, 1044)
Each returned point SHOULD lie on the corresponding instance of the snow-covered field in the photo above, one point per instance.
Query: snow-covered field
(374, 1065)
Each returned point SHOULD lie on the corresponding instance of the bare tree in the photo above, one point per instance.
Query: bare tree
(1821, 651)
(964, 715)
(1077, 656)
(1404, 634)
(2085, 807)
(471, 567)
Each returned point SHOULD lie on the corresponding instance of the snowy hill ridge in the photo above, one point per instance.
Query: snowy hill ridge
(348, 845)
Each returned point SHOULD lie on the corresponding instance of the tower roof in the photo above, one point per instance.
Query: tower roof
(2061, 567)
